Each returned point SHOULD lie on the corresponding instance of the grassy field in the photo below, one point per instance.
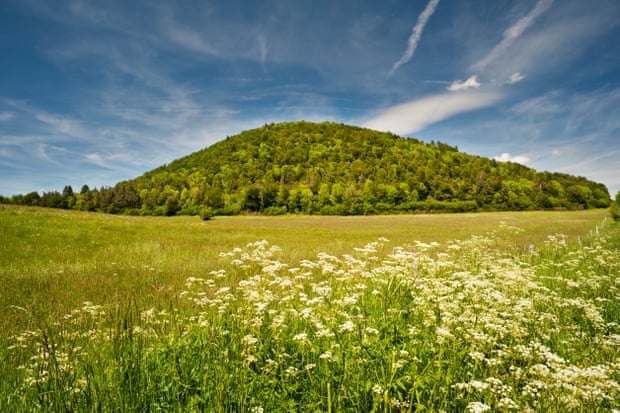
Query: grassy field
(497, 311)
(52, 260)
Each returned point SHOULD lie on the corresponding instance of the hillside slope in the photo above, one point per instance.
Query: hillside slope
(329, 168)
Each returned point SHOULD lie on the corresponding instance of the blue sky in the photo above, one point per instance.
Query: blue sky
(98, 92)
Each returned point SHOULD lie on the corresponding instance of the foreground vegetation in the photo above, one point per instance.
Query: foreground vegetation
(329, 169)
(501, 319)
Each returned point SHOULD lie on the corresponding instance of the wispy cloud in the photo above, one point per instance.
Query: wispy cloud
(52, 153)
(190, 40)
(471, 82)
(6, 116)
(515, 78)
(262, 47)
(110, 160)
(543, 105)
(414, 116)
(62, 125)
(514, 32)
(416, 34)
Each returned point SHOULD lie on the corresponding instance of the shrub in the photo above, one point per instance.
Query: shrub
(274, 210)
(206, 213)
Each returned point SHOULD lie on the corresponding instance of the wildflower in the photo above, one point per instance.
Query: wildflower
(443, 334)
(249, 340)
(477, 356)
(400, 363)
(478, 407)
(508, 403)
(347, 326)
(291, 371)
(325, 332)
(478, 385)
(302, 337)
(250, 360)
(377, 390)
(349, 300)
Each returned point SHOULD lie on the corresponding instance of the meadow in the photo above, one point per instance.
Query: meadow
(470, 312)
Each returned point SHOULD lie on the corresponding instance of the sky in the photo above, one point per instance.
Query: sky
(99, 92)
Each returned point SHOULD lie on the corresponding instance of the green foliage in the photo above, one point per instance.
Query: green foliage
(615, 208)
(332, 169)
(206, 213)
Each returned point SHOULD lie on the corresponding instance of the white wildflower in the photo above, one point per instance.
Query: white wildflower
(249, 340)
(301, 337)
(347, 326)
(291, 371)
(377, 390)
(478, 407)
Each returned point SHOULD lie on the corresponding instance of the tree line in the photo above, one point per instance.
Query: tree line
(330, 169)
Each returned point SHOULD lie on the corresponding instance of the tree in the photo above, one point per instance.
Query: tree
(615, 208)
(67, 191)
(31, 199)
(171, 207)
(253, 200)
(68, 198)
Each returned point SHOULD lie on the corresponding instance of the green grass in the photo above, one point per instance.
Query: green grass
(51, 261)
(106, 312)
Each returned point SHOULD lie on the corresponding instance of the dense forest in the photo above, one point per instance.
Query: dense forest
(331, 169)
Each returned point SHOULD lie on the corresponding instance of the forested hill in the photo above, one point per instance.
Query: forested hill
(329, 168)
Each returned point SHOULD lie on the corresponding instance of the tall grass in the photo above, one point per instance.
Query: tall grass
(470, 324)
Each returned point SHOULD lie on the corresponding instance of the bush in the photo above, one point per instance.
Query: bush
(206, 213)
(229, 210)
(274, 210)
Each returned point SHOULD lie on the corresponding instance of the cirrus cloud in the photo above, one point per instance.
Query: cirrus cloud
(5, 116)
(417, 114)
(416, 35)
(513, 33)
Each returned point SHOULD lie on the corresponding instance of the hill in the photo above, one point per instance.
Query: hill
(329, 168)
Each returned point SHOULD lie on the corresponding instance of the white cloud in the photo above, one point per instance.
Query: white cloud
(547, 104)
(49, 153)
(514, 32)
(457, 85)
(56, 126)
(64, 126)
(417, 114)
(416, 34)
(506, 157)
(515, 78)
(190, 40)
(262, 46)
(5, 116)
(97, 159)
(112, 160)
